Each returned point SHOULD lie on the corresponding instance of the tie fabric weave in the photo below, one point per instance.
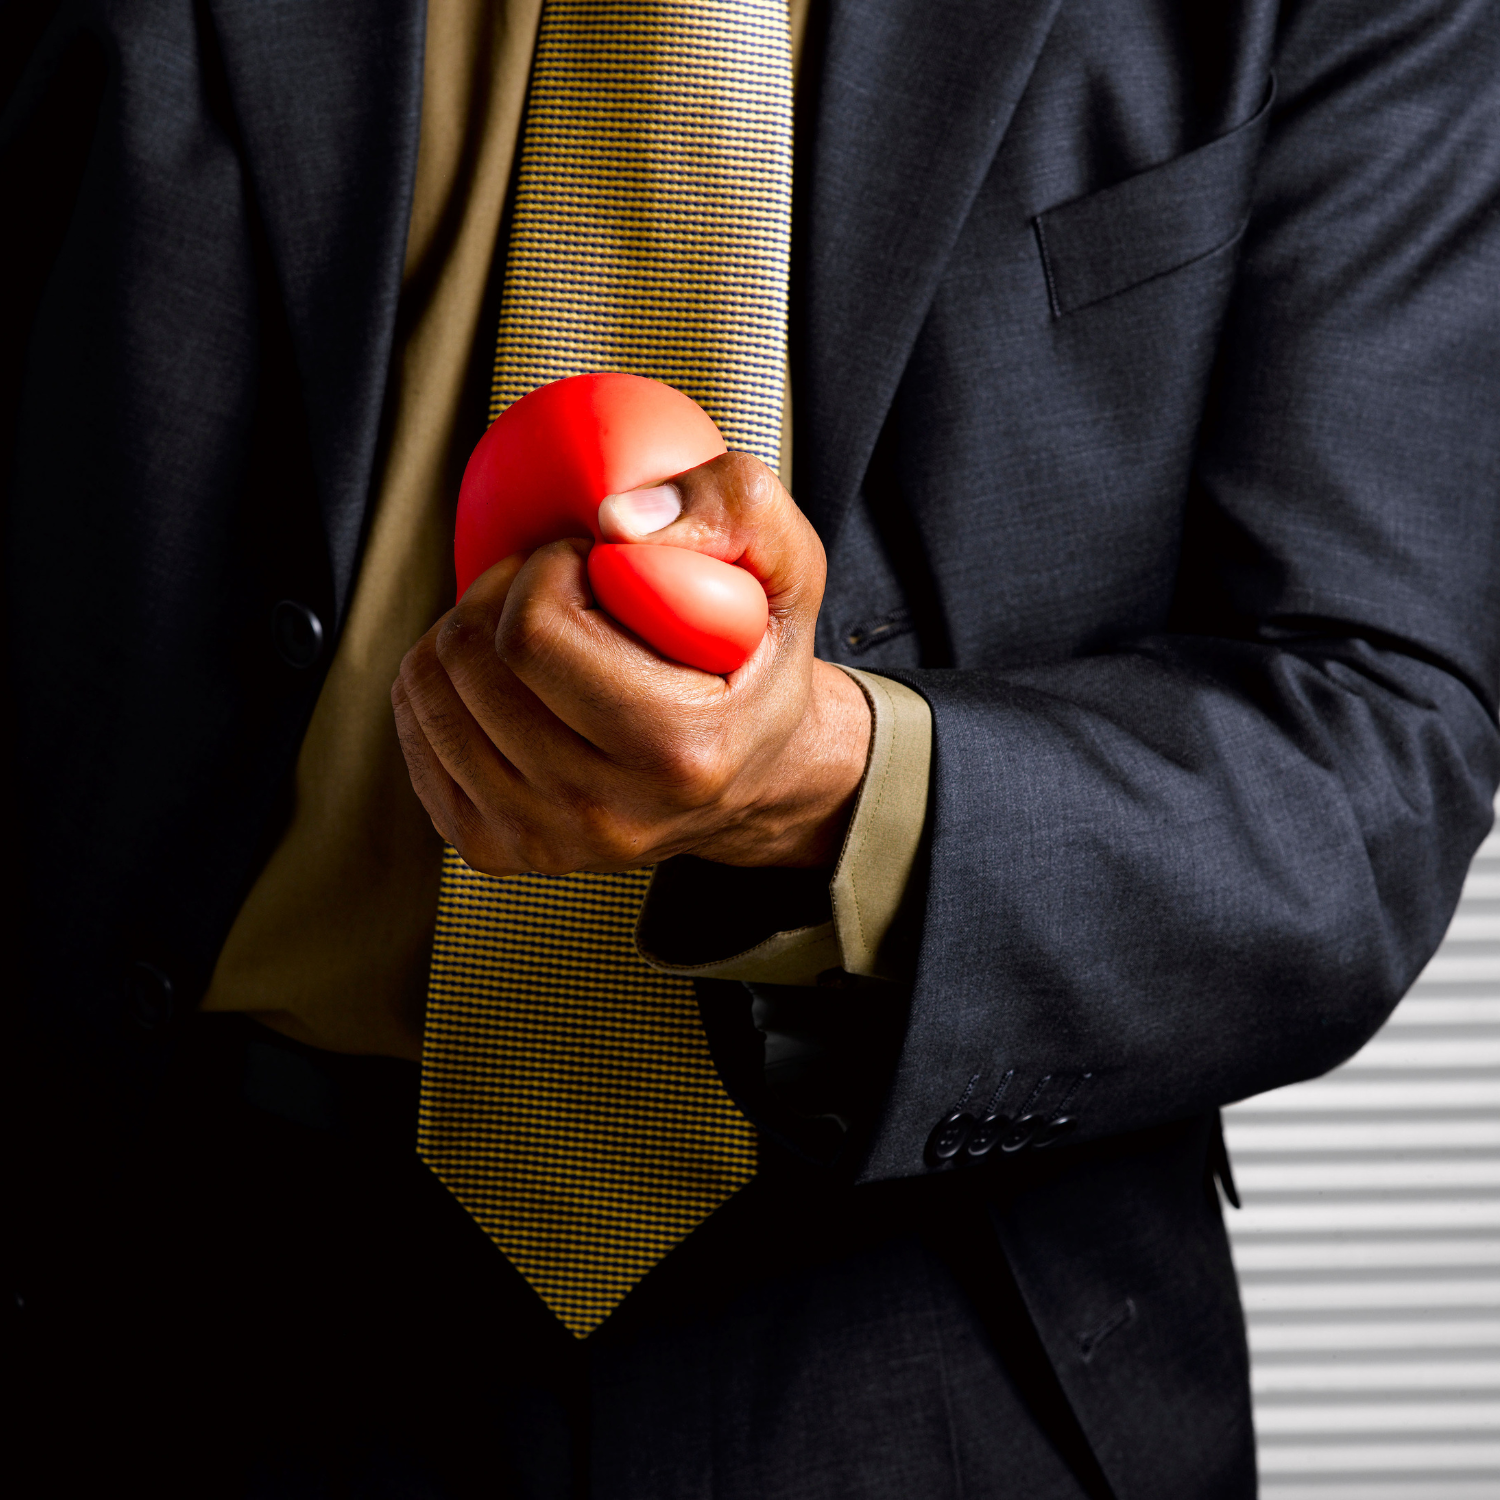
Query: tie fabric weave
(568, 1097)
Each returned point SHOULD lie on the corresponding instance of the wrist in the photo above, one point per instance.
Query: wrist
(840, 745)
(803, 811)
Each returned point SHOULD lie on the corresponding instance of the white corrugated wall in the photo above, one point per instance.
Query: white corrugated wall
(1369, 1244)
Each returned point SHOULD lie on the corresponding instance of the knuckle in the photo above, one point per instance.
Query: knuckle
(525, 633)
(418, 667)
(694, 770)
(742, 469)
(610, 839)
(462, 630)
(485, 843)
(583, 832)
(458, 748)
(744, 482)
(469, 835)
(759, 485)
(725, 481)
(543, 854)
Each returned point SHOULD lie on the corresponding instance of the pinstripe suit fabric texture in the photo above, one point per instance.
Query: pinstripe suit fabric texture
(568, 1098)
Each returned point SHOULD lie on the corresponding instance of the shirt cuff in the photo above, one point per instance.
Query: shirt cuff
(873, 927)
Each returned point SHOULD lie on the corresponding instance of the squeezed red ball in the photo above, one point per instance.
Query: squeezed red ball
(692, 608)
(538, 475)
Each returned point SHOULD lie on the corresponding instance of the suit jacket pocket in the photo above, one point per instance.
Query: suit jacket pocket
(1152, 223)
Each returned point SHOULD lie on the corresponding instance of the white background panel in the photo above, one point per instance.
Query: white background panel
(1369, 1245)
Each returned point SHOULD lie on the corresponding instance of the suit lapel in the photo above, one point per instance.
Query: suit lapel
(327, 98)
(913, 102)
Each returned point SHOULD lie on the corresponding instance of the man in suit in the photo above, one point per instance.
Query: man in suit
(1145, 369)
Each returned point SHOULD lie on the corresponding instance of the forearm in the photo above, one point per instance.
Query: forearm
(794, 925)
(1186, 873)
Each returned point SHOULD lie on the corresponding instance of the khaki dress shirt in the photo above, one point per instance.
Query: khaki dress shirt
(332, 944)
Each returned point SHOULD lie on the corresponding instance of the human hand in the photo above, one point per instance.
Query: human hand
(542, 736)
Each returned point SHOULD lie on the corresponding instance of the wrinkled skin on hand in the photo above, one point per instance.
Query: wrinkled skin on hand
(540, 735)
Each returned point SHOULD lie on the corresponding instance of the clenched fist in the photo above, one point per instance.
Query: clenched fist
(542, 736)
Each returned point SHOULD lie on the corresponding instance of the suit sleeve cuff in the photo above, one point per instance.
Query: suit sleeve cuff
(874, 886)
(688, 924)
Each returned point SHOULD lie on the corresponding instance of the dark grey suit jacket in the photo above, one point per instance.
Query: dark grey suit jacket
(1147, 363)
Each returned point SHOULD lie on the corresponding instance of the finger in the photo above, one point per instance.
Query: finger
(448, 728)
(447, 804)
(488, 839)
(501, 821)
(494, 583)
(613, 691)
(733, 508)
(639, 513)
(482, 805)
(547, 751)
(464, 633)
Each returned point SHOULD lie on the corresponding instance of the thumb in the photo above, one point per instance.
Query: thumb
(634, 515)
(733, 508)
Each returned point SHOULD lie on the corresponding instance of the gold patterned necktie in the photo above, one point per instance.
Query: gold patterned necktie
(568, 1098)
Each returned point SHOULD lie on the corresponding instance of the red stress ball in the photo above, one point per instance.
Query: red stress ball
(539, 474)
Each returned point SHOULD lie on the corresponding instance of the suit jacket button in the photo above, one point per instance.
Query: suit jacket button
(1053, 1130)
(1020, 1133)
(947, 1140)
(298, 634)
(148, 1000)
(986, 1135)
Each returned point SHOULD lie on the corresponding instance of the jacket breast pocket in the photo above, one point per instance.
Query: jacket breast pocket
(1163, 218)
